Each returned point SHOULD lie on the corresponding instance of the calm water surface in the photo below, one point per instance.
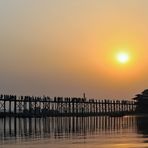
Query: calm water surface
(75, 132)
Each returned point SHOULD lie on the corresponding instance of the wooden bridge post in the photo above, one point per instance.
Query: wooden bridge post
(105, 106)
(124, 106)
(5, 104)
(10, 106)
(89, 104)
(15, 99)
(42, 111)
(66, 104)
(35, 106)
(111, 105)
(77, 105)
(99, 106)
(30, 106)
(96, 106)
(127, 106)
(132, 106)
(69, 105)
(91, 107)
(25, 104)
(49, 105)
(121, 104)
(61, 105)
(73, 106)
(102, 106)
(114, 106)
(108, 106)
(40, 106)
(121, 107)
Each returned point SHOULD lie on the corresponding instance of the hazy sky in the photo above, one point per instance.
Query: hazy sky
(67, 47)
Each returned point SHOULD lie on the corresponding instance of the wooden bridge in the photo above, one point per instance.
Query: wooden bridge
(31, 106)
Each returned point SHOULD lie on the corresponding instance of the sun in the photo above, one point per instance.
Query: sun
(122, 57)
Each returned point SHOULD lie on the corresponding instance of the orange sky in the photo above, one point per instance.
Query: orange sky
(65, 48)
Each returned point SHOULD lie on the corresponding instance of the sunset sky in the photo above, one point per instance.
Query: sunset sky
(68, 47)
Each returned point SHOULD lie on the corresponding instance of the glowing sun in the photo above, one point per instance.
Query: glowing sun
(122, 57)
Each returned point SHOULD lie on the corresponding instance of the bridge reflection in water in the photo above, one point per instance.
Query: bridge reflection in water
(62, 127)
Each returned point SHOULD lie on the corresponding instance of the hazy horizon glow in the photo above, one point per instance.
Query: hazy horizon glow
(66, 48)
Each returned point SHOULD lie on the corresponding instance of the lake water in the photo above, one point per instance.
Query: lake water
(75, 132)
